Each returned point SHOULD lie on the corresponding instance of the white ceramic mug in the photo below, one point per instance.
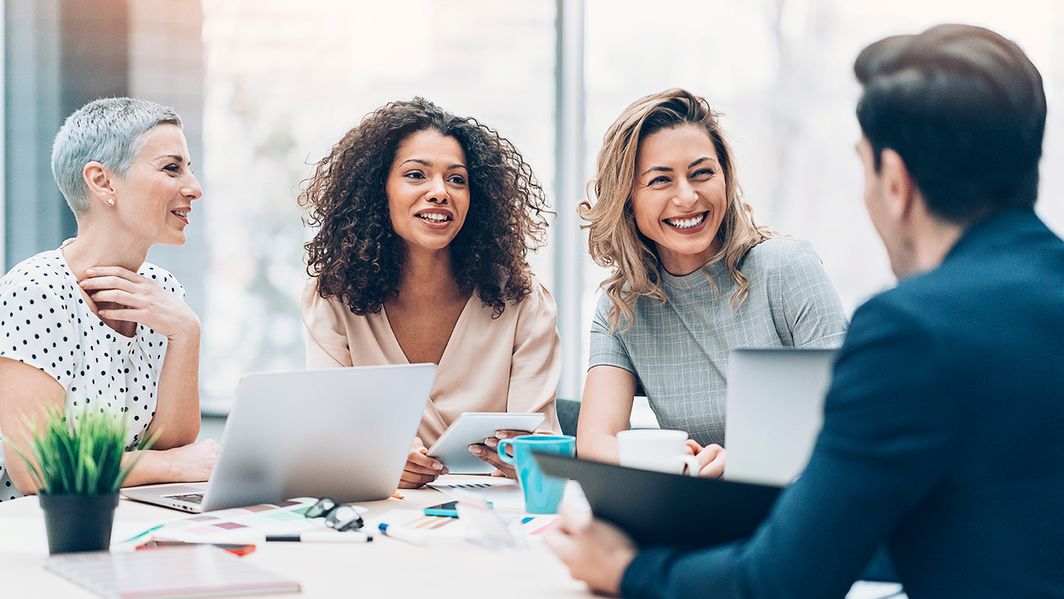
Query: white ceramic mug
(652, 449)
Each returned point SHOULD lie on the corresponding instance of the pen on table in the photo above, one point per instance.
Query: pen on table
(354, 536)
(408, 536)
(141, 534)
(237, 549)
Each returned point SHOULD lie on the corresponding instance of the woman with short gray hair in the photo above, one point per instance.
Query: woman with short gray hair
(91, 325)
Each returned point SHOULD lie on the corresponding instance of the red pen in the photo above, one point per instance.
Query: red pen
(238, 549)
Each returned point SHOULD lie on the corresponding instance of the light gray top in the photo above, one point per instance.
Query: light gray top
(678, 350)
(44, 322)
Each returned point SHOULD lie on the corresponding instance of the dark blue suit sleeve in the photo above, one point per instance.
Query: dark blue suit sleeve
(887, 439)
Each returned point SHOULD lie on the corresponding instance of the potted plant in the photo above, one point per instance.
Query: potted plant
(77, 467)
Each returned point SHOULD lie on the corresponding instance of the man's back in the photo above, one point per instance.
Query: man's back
(943, 437)
(994, 316)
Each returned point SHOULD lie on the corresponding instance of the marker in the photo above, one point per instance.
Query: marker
(237, 549)
(142, 534)
(354, 536)
(401, 535)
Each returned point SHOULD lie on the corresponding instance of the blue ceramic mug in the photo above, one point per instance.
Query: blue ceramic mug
(542, 493)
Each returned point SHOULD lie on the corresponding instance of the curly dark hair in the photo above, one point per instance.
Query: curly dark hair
(357, 257)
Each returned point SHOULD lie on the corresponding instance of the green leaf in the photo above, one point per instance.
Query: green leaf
(80, 454)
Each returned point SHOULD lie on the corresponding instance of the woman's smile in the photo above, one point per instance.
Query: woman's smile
(182, 214)
(437, 219)
(689, 224)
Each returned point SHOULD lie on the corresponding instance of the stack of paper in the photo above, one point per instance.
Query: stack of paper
(503, 494)
(195, 571)
(248, 524)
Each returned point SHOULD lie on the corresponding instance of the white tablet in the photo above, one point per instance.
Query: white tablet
(452, 448)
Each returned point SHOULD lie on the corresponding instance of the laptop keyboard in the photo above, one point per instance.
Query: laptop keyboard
(196, 498)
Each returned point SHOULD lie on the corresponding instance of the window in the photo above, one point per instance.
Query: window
(781, 75)
(267, 86)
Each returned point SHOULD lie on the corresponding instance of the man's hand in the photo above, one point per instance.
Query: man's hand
(595, 552)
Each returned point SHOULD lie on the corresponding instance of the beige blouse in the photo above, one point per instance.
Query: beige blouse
(508, 364)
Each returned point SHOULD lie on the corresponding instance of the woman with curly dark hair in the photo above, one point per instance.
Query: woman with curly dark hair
(425, 222)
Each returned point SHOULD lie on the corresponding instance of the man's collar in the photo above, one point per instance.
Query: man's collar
(1000, 228)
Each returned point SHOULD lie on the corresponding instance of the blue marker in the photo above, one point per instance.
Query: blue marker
(409, 536)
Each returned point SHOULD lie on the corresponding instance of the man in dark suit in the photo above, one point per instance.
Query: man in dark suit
(943, 434)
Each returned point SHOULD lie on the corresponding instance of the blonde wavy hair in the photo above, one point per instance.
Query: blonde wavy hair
(614, 240)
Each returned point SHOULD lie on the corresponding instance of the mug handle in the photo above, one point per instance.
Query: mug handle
(691, 465)
(505, 457)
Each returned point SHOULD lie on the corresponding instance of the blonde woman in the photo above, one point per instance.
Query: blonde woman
(692, 277)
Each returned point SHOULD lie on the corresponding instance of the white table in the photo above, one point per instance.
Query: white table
(383, 568)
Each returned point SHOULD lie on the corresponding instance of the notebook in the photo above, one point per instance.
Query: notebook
(195, 571)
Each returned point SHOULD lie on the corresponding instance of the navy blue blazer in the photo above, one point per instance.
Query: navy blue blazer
(943, 439)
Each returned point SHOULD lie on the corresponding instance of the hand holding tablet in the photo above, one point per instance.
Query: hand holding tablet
(419, 469)
(452, 448)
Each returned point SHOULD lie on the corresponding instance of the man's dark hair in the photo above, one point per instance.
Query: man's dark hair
(965, 109)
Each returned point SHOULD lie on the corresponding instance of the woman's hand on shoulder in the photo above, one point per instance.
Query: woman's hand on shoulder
(128, 296)
(420, 469)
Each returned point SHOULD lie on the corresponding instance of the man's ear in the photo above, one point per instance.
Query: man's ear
(98, 183)
(898, 185)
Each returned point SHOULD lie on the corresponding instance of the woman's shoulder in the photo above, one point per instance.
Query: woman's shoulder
(327, 314)
(538, 303)
(161, 276)
(39, 314)
(640, 304)
(777, 252)
(539, 298)
(41, 277)
(312, 301)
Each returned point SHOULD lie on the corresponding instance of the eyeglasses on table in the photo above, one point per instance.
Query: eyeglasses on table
(338, 516)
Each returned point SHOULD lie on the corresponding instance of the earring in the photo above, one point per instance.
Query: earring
(110, 201)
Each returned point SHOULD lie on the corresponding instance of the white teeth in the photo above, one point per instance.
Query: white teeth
(181, 213)
(437, 218)
(687, 223)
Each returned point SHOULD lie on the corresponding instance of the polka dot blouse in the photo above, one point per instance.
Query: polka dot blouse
(45, 322)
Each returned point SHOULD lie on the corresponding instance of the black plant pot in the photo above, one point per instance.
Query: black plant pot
(78, 522)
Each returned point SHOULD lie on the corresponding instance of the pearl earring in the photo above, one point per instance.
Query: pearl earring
(110, 201)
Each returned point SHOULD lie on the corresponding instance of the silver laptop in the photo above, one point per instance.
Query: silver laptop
(775, 408)
(342, 433)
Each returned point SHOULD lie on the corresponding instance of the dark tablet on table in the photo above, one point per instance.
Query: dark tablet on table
(656, 508)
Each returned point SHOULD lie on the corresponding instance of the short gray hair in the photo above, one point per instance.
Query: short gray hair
(109, 131)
